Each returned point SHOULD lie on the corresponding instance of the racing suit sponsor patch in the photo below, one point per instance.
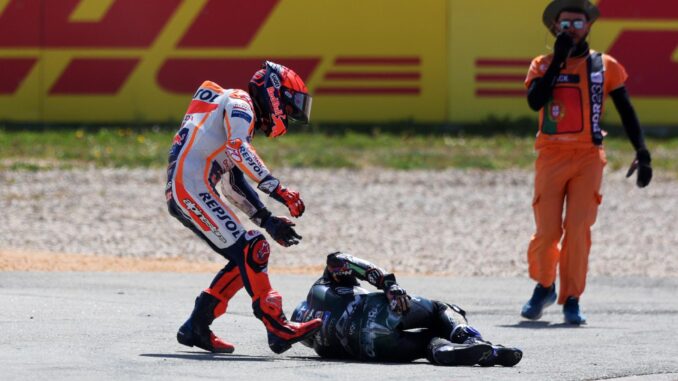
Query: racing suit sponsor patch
(221, 214)
(261, 251)
(234, 154)
(196, 210)
(241, 114)
(252, 161)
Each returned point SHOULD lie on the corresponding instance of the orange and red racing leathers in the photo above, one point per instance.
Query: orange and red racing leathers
(214, 142)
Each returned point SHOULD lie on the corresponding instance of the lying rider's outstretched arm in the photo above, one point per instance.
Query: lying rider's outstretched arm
(344, 269)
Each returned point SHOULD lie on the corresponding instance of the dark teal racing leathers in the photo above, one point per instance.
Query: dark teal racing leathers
(361, 325)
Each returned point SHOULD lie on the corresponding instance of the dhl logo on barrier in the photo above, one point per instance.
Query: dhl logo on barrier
(377, 60)
(491, 47)
(131, 24)
(647, 54)
(123, 51)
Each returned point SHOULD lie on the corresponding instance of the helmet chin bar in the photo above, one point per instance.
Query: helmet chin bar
(278, 126)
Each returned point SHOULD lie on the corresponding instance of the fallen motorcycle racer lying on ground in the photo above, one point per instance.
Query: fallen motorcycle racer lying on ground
(390, 326)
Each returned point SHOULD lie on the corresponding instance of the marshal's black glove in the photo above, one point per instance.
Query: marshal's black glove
(562, 48)
(642, 164)
(281, 230)
(398, 300)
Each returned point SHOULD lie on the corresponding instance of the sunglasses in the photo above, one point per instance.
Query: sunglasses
(576, 24)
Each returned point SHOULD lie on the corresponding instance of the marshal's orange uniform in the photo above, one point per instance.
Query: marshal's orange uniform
(569, 166)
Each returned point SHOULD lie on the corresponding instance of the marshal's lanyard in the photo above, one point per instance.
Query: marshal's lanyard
(596, 71)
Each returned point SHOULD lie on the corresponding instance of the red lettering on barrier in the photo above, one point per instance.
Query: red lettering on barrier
(128, 23)
(21, 16)
(646, 54)
(633, 9)
(350, 76)
(12, 72)
(368, 90)
(227, 23)
(184, 75)
(102, 76)
(648, 58)
(340, 61)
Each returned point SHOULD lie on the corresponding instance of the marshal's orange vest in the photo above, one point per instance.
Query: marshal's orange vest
(571, 117)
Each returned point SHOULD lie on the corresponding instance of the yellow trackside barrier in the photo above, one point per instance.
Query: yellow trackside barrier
(363, 60)
(492, 42)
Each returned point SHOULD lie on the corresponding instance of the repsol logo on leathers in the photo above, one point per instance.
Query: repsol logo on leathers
(251, 161)
(221, 214)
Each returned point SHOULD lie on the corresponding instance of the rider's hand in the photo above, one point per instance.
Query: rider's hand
(642, 164)
(281, 230)
(398, 300)
(291, 199)
(563, 47)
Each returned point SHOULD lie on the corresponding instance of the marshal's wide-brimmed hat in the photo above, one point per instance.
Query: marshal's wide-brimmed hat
(556, 6)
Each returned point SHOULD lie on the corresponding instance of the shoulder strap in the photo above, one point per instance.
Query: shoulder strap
(596, 71)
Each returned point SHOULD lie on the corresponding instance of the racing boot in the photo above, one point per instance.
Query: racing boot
(542, 297)
(572, 313)
(281, 332)
(445, 352)
(196, 332)
(501, 355)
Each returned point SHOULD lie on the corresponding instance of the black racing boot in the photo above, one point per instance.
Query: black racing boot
(500, 355)
(196, 331)
(503, 356)
(444, 352)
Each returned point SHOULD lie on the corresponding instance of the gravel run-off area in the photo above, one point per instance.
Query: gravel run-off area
(452, 222)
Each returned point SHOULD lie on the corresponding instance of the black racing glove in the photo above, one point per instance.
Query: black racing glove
(562, 48)
(281, 230)
(642, 164)
(398, 300)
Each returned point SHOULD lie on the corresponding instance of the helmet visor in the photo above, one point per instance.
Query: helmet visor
(298, 106)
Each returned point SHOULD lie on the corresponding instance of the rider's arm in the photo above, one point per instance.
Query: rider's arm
(240, 193)
(341, 266)
(239, 124)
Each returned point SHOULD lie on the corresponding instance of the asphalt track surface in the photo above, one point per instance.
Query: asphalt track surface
(68, 326)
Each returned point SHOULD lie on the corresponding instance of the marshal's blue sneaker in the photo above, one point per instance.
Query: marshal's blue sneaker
(572, 312)
(542, 297)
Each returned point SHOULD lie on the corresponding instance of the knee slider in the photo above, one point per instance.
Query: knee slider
(257, 250)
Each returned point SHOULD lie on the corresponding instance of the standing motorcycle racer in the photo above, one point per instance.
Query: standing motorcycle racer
(213, 145)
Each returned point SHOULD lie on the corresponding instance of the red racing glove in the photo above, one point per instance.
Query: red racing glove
(289, 198)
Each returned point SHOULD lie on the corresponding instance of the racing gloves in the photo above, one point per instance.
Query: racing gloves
(642, 164)
(398, 300)
(279, 228)
(271, 186)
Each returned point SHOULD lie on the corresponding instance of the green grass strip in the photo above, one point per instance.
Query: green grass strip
(122, 147)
